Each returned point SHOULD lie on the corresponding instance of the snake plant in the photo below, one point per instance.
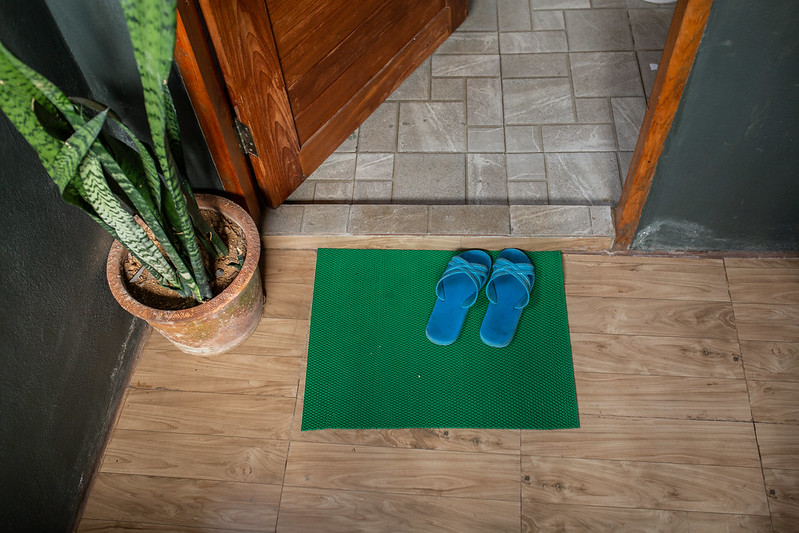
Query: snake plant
(100, 166)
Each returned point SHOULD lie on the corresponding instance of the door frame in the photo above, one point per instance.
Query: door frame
(685, 33)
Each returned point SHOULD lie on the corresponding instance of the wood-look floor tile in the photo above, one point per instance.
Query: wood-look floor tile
(282, 337)
(202, 413)
(767, 322)
(649, 439)
(783, 492)
(779, 445)
(664, 356)
(662, 397)
(420, 472)
(115, 526)
(309, 509)
(774, 401)
(454, 440)
(636, 316)
(646, 277)
(184, 502)
(642, 485)
(225, 373)
(764, 285)
(196, 456)
(762, 262)
(539, 517)
(771, 361)
(289, 266)
(288, 300)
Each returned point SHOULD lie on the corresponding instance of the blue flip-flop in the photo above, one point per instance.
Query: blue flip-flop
(456, 292)
(508, 293)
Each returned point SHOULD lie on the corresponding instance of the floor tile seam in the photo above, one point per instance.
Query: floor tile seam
(748, 393)
(630, 508)
(164, 526)
(578, 371)
(649, 334)
(425, 493)
(244, 394)
(427, 451)
(216, 436)
(510, 452)
(657, 376)
(191, 478)
(213, 393)
(637, 461)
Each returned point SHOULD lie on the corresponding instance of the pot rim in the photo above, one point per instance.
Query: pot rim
(232, 212)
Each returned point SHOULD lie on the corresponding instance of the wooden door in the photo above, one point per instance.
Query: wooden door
(301, 75)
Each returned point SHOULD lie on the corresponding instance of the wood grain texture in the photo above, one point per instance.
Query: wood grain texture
(667, 439)
(767, 322)
(642, 485)
(459, 10)
(226, 373)
(304, 510)
(774, 263)
(783, 489)
(335, 79)
(231, 415)
(642, 277)
(771, 361)
(209, 457)
(184, 502)
(422, 472)
(455, 439)
(635, 316)
(661, 356)
(649, 439)
(289, 300)
(326, 137)
(764, 285)
(682, 42)
(197, 65)
(243, 42)
(779, 445)
(289, 266)
(774, 401)
(540, 517)
(117, 526)
(662, 397)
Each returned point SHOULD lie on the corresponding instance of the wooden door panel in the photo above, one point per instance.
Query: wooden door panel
(303, 74)
(336, 79)
(321, 37)
(242, 39)
(327, 138)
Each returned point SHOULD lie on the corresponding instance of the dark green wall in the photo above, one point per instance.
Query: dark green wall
(728, 178)
(67, 348)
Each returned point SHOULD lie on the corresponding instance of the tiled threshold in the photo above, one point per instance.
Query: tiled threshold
(577, 227)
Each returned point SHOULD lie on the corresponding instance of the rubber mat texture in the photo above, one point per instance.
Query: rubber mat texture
(371, 366)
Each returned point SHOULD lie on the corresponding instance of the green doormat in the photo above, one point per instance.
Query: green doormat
(370, 364)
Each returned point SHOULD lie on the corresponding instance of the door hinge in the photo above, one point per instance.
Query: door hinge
(244, 135)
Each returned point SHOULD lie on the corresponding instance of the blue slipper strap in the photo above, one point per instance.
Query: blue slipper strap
(521, 271)
(476, 272)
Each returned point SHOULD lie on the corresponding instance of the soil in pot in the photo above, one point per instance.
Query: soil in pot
(222, 271)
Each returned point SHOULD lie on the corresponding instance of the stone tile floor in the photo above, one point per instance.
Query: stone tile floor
(529, 103)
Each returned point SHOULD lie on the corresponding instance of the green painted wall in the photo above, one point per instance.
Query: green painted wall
(728, 178)
(67, 347)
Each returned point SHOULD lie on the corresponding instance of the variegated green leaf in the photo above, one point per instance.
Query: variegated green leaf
(134, 237)
(17, 94)
(74, 150)
(151, 24)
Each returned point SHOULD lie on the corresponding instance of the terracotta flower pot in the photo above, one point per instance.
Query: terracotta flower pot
(214, 326)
